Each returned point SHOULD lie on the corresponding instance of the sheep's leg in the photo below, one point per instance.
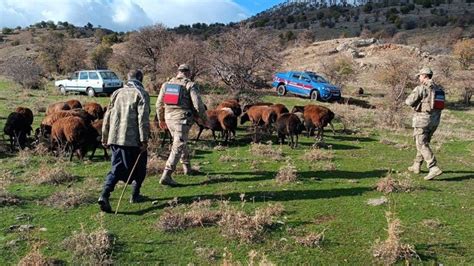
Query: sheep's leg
(214, 135)
(163, 139)
(201, 128)
(332, 127)
(72, 151)
(106, 156)
(296, 143)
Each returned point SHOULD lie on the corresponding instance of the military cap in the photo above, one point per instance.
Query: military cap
(184, 67)
(425, 71)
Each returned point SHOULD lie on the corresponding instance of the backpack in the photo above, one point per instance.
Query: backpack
(173, 94)
(438, 98)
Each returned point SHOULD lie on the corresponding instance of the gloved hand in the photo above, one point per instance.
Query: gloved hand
(163, 125)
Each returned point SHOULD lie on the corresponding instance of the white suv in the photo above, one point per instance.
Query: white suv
(92, 82)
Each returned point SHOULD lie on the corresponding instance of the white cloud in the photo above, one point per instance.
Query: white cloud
(120, 15)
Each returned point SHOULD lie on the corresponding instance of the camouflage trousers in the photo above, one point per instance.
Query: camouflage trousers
(179, 148)
(422, 138)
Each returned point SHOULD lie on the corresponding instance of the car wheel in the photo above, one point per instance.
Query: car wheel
(314, 95)
(62, 90)
(90, 92)
(281, 90)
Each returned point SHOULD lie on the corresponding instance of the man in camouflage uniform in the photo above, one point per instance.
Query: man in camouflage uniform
(178, 118)
(126, 129)
(425, 121)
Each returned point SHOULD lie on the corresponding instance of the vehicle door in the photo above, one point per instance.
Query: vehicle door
(71, 83)
(306, 86)
(94, 80)
(83, 81)
(294, 83)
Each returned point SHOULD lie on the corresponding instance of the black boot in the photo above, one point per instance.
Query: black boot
(136, 197)
(104, 202)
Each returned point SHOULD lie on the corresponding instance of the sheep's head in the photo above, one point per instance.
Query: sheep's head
(244, 118)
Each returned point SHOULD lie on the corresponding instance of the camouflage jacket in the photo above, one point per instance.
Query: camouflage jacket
(191, 106)
(127, 122)
(419, 100)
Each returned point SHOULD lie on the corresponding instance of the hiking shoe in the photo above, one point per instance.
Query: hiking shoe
(104, 204)
(415, 168)
(167, 180)
(434, 172)
(189, 171)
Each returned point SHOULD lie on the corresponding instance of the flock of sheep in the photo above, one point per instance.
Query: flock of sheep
(77, 128)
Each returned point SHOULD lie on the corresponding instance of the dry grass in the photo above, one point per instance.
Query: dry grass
(8, 200)
(91, 248)
(198, 214)
(69, 199)
(267, 151)
(155, 165)
(432, 223)
(52, 176)
(247, 228)
(397, 145)
(311, 240)
(286, 174)
(392, 249)
(34, 258)
(399, 183)
(208, 254)
(315, 155)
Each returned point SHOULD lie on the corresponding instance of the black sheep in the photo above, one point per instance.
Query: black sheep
(289, 125)
(17, 128)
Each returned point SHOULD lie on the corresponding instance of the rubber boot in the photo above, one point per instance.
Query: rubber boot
(104, 203)
(434, 172)
(415, 168)
(136, 197)
(167, 180)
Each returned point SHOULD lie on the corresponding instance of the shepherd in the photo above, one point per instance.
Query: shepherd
(125, 130)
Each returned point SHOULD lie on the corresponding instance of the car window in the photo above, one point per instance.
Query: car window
(108, 75)
(75, 75)
(305, 78)
(317, 78)
(83, 75)
(296, 75)
(93, 75)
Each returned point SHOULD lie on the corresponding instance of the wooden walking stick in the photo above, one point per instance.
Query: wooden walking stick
(128, 180)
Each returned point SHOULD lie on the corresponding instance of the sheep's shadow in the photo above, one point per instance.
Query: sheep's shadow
(428, 252)
(303, 175)
(261, 196)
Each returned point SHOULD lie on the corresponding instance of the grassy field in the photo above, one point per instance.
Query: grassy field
(330, 195)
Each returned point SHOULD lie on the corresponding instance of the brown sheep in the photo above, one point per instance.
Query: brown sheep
(155, 128)
(94, 109)
(288, 125)
(74, 104)
(247, 107)
(259, 115)
(49, 120)
(74, 134)
(56, 107)
(232, 104)
(279, 109)
(223, 120)
(317, 117)
(97, 125)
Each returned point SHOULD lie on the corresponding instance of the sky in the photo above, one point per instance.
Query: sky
(125, 15)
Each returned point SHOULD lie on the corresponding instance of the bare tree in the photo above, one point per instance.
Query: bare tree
(185, 50)
(73, 57)
(243, 58)
(24, 71)
(397, 76)
(100, 56)
(145, 48)
(51, 46)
